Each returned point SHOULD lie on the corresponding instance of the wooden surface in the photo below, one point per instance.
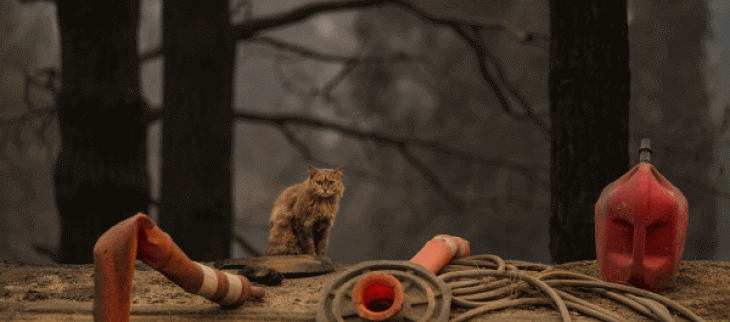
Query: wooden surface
(291, 266)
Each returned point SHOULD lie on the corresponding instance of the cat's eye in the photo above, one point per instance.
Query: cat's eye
(330, 182)
(319, 182)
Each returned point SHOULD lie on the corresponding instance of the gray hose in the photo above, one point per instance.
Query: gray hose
(484, 283)
(517, 275)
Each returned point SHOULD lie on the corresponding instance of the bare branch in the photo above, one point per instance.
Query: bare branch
(45, 124)
(469, 31)
(241, 10)
(527, 38)
(151, 53)
(245, 244)
(529, 111)
(27, 116)
(431, 176)
(151, 115)
(327, 89)
(485, 59)
(313, 54)
(46, 79)
(349, 64)
(294, 79)
(251, 27)
(480, 49)
(532, 172)
(295, 142)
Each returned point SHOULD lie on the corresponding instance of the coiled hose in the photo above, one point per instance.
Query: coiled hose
(484, 283)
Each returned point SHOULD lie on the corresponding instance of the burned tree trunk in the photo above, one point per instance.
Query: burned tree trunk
(100, 175)
(589, 111)
(195, 204)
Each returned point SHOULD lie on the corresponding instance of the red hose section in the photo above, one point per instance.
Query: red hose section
(139, 238)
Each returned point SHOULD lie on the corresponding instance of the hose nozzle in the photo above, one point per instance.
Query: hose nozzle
(378, 296)
(645, 151)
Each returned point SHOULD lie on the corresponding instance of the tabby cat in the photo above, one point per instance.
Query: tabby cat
(304, 213)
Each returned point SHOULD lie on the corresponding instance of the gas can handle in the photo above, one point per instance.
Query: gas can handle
(645, 151)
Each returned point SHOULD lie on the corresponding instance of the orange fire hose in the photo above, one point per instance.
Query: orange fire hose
(379, 296)
(139, 238)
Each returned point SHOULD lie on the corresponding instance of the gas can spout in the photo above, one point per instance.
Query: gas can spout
(645, 151)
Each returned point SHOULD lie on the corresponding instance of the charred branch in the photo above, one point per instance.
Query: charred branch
(295, 142)
(327, 57)
(471, 33)
(253, 26)
(532, 172)
(153, 52)
(468, 30)
(46, 80)
(501, 86)
(426, 172)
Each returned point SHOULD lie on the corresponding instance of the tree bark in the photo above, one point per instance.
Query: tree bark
(589, 110)
(100, 174)
(195, 204)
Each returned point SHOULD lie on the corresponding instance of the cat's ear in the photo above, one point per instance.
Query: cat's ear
(312, 170)
(337, 172)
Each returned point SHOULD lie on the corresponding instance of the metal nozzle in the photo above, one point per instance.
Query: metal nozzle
(645, 151)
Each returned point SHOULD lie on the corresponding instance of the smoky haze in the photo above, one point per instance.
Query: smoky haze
(384, 71)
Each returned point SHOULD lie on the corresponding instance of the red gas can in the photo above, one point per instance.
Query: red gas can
(641, 223)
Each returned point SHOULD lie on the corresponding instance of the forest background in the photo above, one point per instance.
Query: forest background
(383, 70)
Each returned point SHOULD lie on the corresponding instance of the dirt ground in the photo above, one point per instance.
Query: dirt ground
(702, 286)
